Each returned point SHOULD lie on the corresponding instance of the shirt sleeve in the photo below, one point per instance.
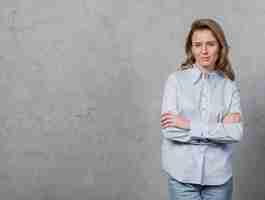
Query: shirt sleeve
(170, 103)
(227, 133)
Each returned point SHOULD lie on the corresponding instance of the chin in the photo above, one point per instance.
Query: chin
(206, 64)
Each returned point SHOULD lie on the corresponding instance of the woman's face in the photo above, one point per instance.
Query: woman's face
(205, 48)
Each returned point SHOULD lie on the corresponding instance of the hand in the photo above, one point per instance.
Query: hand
(170, 119)
(232, 118)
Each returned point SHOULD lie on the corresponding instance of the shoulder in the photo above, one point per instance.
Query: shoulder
(171, 79)
(179, 75)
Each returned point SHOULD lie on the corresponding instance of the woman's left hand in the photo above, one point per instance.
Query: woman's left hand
(232, 118)
(170, 119)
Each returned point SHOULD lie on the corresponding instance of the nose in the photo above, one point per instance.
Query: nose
(204, 49)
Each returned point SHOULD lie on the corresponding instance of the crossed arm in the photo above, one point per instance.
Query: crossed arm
(179, 128)
(169, 119)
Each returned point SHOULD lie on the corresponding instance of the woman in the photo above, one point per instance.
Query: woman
(201, 118)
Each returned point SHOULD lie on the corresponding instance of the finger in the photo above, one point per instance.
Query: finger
(227, 119)
(233, 114)
(166, 117)
(167, 123)
(166, 113)
(231, 119)
(236, 119)
(169, 126)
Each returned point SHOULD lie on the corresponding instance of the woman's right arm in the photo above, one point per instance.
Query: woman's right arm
(174, 126)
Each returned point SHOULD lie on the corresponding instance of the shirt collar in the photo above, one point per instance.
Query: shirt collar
(197, 74)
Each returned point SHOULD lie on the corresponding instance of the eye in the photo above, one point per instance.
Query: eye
(197, 44)
(211, 44)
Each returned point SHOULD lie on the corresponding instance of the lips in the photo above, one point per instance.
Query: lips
(205, 58)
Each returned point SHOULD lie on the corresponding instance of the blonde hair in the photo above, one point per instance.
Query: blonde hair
(222, 64)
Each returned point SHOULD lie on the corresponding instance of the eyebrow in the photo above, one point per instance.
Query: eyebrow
(206, 41)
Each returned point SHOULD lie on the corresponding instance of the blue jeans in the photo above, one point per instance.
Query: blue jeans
(187, 191)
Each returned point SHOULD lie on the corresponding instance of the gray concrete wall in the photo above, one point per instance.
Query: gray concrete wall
(81, 84)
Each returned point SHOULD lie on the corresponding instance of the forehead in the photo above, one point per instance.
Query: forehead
(203, 35)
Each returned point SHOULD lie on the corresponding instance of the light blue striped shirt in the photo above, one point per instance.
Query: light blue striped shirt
(203, 153)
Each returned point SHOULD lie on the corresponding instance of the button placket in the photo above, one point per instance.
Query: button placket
(204, 103)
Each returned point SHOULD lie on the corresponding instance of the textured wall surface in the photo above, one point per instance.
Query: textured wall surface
(81, 84)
